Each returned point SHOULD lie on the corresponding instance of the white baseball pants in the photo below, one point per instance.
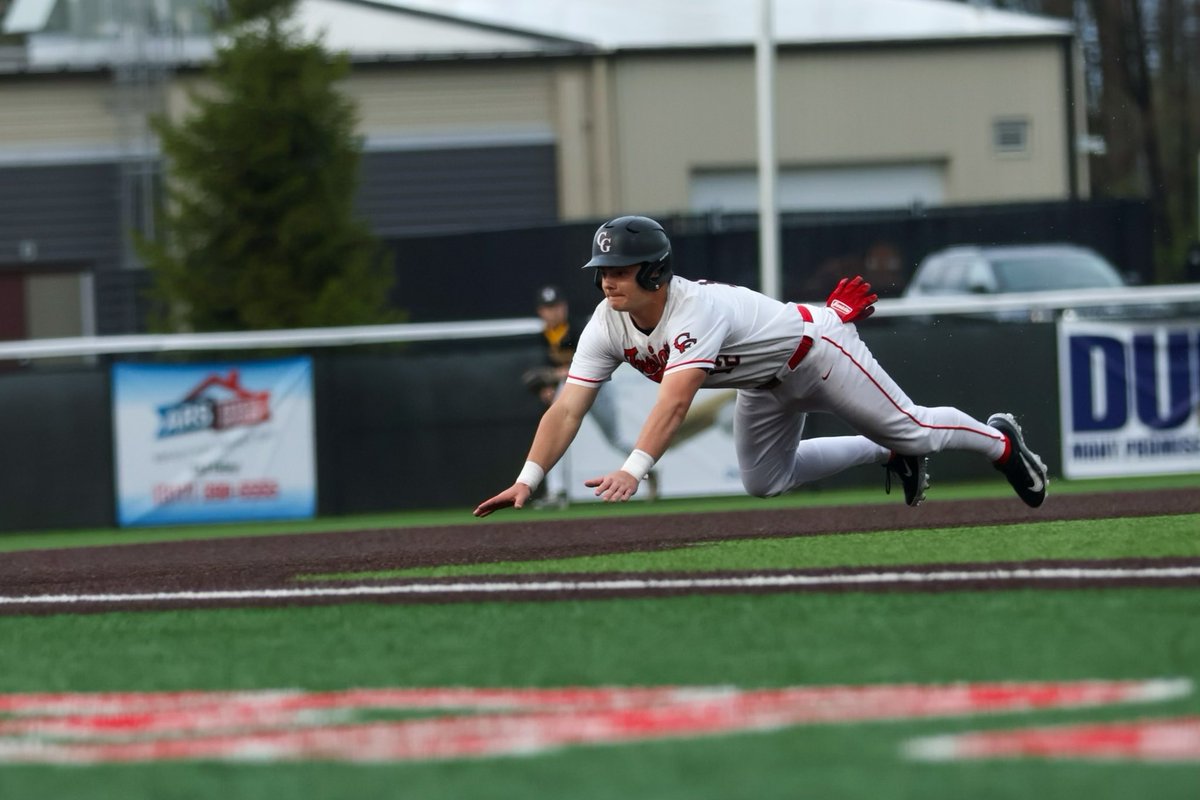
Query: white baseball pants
(840, 376)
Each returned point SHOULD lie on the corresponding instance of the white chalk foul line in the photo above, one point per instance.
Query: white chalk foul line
(632, 585)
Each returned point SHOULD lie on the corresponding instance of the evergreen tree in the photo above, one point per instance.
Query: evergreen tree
(259, 229)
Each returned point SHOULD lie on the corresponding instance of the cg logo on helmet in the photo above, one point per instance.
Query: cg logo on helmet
(604, 241)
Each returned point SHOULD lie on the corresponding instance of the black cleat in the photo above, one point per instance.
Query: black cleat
(1024, 469)
(913, 476)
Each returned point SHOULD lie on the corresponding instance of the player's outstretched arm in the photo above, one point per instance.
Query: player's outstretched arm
(555, 432)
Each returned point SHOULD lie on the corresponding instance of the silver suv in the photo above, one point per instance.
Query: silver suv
(983, 271)
(1011, 268)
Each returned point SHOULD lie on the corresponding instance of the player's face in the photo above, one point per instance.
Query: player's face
(553, 314)
(621, 288)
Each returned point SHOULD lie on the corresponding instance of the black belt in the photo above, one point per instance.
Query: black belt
(806, 343)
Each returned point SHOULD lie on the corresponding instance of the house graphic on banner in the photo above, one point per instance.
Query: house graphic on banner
(217, 403)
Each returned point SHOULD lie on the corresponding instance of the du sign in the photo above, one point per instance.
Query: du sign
(1128, 397)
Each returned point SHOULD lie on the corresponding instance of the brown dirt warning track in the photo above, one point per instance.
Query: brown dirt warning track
(260, 570)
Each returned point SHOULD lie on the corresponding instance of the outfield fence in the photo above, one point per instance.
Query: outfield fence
(443, 420)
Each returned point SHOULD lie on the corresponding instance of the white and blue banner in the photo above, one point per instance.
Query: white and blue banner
(1129, 397)
(214, 442)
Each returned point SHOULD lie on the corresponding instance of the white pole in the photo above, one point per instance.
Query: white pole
(768, 214)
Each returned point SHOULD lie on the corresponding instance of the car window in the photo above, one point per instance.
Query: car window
(929, 275)
(979, 277)
(1054, 271)
(954, 277)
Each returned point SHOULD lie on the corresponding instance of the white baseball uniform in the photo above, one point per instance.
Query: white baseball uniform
(785, 360)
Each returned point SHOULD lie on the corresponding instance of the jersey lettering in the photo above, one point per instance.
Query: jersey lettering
(725, 364)
(652, 364)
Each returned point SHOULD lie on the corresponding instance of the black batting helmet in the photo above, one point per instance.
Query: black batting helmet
(626, 241)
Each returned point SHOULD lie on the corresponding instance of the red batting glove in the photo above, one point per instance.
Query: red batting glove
(852, 299)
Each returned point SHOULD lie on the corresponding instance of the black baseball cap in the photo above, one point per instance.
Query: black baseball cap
(549, 295)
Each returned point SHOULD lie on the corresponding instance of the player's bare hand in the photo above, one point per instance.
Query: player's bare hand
(615, 487)
(514, 496)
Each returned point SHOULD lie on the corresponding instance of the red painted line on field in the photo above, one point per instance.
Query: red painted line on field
(1161, 740)
(296, 725)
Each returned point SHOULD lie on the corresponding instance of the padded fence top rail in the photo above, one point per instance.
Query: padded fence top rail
(1171, 296)
(243, 340)
(1167, 295)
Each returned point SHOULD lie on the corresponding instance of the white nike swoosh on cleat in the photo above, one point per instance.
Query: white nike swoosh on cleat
(1036, 484)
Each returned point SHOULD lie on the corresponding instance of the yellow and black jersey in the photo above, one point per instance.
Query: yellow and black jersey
(560, 343)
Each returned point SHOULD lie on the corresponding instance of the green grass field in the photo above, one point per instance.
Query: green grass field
(749, 641)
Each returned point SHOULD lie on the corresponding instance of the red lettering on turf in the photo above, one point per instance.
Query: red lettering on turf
(289, 725)
(1158, 740)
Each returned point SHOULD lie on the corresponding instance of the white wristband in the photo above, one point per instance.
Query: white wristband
(531, 475)
(638, 464)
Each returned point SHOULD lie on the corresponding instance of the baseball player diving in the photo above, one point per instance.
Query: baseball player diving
(784, 359)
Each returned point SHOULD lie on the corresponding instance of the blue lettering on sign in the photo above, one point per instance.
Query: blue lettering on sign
(1094, 450)
(1113, 383)
(1117, 393)
(1179, 380)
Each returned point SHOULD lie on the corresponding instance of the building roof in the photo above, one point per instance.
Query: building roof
(639, 24)
(413, 29)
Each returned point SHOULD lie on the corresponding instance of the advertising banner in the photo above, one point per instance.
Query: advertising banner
(1129, 394)
(700, 462)
(214, 442)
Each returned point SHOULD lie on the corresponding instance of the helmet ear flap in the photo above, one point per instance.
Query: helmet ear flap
(652, 275)
(648, 276)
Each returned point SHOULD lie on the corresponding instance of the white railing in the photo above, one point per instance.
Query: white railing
(245, 340)
(1173, 295)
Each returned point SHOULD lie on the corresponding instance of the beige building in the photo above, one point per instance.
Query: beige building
(481, 113)
(651, 105)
